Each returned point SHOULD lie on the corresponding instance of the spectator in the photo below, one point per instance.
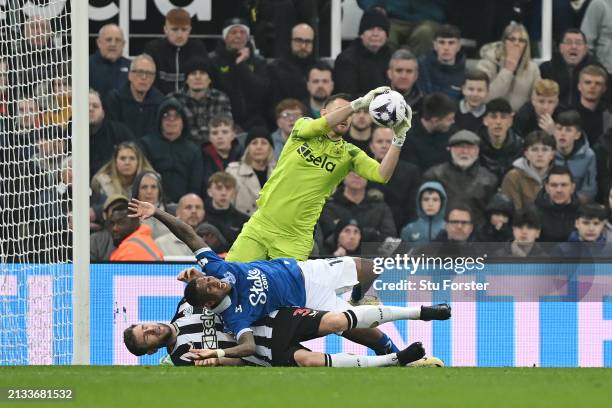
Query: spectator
(104, 134)
(147, 186)
(55, 100)
(557, 205)
(526, 229)
(173, 51)
(427, 140)
(363, 65)
(288, 74)
(320, 86)
(413, 22)
(253, 170)
(565, 65)
(443, 69)
(573, 151)
(463, 178)
(287, 112)
(401, 190)
(132, 239)
(241, 74)
(108, 68)
(190, 210)
(540, 111)
(360, 131)
(596, 118)
(431, 203)
(367, 207)
(135, 104)
(5, 100)
(500, 146)
(213, 237)
(472, 107)
(118, 174)
(498, 220)
(347, 238)
(523, 182)
(101, 244)
(223, 147)
(608, 203)
(509, 67)
(200, 101)
(458, 230)
(603, 154)
(219, 209)
(403, 73)
(590, 239)
(171, 153)
(597, 28)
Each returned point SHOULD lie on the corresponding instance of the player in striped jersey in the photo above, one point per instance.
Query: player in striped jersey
(191, 327)
(195, 336)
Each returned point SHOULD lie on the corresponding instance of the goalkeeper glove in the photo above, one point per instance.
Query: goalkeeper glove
(364, 101)
(400, 130)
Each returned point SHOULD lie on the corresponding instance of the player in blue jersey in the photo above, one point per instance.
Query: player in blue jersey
(243, 293)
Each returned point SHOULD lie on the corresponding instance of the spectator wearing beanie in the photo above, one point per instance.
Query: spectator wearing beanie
(241, 74)
(173, 51)
(497, 226)
(200, 101)
(363, 65)
(253, 170)
(346, 239)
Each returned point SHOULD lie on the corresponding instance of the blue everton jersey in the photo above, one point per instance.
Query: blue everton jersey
(258, 288)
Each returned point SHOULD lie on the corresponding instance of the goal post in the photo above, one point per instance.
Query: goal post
(80, 163)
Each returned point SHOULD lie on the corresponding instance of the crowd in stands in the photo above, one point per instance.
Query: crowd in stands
(501, 149)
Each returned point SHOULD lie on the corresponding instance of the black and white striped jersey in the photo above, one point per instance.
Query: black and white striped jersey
(198, 328)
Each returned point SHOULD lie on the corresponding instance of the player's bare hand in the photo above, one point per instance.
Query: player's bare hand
(202, 354)
(243, 55)
(140, 209)
(209, 362)
(187, 275)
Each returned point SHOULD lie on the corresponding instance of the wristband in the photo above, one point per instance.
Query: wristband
(220, 353)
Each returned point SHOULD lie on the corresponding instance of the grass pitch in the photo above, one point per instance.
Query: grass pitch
(196, 387)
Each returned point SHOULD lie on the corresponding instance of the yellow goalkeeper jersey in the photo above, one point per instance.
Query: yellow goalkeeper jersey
(309, 169)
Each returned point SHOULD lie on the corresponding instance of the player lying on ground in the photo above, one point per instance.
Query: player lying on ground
(314, 161)
(195, 336)
(242, 293)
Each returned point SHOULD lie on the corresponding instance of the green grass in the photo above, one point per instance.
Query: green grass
(192, 387)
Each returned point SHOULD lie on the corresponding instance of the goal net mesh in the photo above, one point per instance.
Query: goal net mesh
(35, 182)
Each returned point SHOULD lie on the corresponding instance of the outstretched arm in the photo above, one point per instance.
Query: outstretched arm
(183, 231)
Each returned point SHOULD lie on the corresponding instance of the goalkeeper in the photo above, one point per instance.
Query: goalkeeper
(314, 161)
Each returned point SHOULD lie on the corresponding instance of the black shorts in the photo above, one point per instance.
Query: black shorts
(290, 327)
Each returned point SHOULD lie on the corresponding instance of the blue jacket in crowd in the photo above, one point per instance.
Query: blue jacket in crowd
(426, 228)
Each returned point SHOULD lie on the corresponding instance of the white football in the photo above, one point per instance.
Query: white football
(388, 108)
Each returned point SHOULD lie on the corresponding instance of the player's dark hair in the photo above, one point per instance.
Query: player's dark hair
(592, 211)
(333, 97)
(130, 342)
(437, 105)
(539, 136)
(527, 217)
(559, 171)
(447, 31)
(570, 118)
(192, 294)
(498, 105)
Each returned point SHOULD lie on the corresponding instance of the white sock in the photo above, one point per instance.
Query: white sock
(364, 317)
(351, 360)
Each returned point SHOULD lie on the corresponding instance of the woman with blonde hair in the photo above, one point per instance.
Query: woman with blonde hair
(118, 174)
(253, 170)
(508, 64)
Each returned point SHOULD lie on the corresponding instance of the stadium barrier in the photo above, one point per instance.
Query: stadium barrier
(545, 315)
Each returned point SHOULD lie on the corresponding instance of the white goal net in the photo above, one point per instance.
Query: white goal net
(35, 182)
